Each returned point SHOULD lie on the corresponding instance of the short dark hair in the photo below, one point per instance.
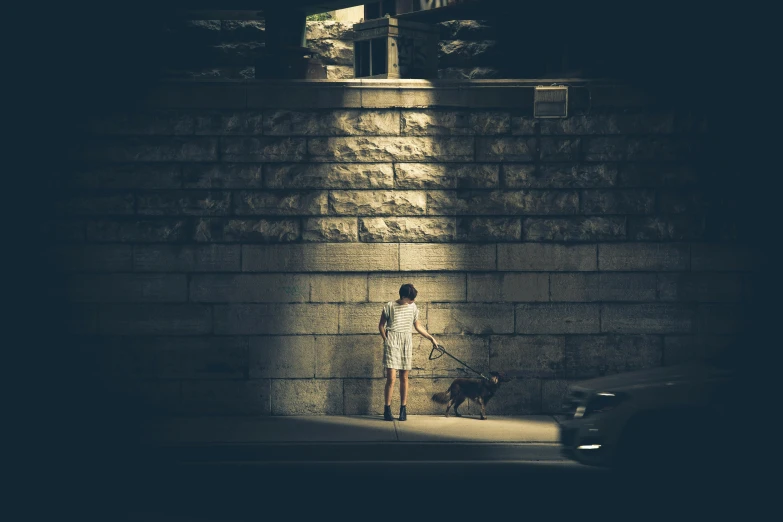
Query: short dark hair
(407, 290)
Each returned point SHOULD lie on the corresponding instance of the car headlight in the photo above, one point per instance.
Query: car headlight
(604, 401)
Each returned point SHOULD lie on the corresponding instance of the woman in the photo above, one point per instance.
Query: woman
(397, 318)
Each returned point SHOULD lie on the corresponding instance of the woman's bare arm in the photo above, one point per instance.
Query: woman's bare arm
(422, 331)
(382, 326)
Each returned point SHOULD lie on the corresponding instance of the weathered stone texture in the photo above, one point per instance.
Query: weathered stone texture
(228, 123)
(377, 202)
(559, 149)
(275, 319)
(603, 287)
(445, 176)
(508, 287)
(184, 203)
(447, 257)
(557, 318)
(539, 257)
(506, 149)
(329, 30)
(332, 123)
(281, 203)
(589, 356)
(537, 356)
(375, 149)
(426, 123)
(307, 397)
(282, 357)
(643, 257)
(560, 175)
(186, 258)
(481, 229)
(320, 258)
(221, 176)
(496, 202)
(431, 287)
(343, 288)
(249, 288)
(339, 356)
(146, 231)
(247, 230)
(262, 150)
(472, 349)
(617, 201)
(407, 230)
(620, 123)
(469, 319)
(574, 229)
(647, 318)
(333, 230)
(332, 52)
(666, 228)
(330, 176)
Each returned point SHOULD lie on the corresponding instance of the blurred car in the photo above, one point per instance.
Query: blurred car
(672, 417)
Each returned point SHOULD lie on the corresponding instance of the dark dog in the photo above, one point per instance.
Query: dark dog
(479, 390)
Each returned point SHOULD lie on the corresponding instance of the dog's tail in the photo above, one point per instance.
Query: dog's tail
(442, 397)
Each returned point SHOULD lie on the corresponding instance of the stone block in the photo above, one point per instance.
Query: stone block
(246, 230)
(329, 30)
(332, 52)
(472, 349)
(508, 287)
(154, 319)
(574, 229)
(558, 175)
(351, 356)
(317, 95)
(497, 202)
(365, 396)
(486, 123)
(281, 203)
(559, 149)
(528, 356)
(506, 149)
(184, 203)
(129, 176)
(486, 230)
(617, 202)
(518, 397)
(222, 176)
(621, 123)
(374, 149)
(666, 228)
(263, 149)
(524, 126)
(605, 148)
(146, 231)
(536, 257)
(324, 257)
(377, 202)
(127, 288)
(709, 257)
(430, 287)
(224, 123)
(553, 392)
(186, 258)
(307, 397)
(330, 176)
(590, 356)
(332, 123)
(333, 230)
(455, 318)
(466, 30)
(656, 175)
(152, 149)
(459, 257)
(364, 318)
(282, 357)
(275, 319)
(656, 148)
(92, 258)
(461, 53)
(341, 288)
(581, 287)
(445, 176)
(603, 287)
(235, 397)
(557, 318)
(428, 123)
(97, 204)
(700, 287)
(652, 318)
(407, 229)
(249, 288)
(339, 72)
(643, 257)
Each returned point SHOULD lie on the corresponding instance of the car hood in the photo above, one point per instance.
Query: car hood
(653, 376)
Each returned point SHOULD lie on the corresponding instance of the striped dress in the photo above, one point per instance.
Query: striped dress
(398, 348)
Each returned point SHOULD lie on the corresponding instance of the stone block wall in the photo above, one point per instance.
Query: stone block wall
(226, 247)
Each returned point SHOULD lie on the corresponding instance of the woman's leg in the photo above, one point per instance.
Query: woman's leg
(404, 387)
(387, 391)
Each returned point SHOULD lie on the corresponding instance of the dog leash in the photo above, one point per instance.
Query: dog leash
(442, 350)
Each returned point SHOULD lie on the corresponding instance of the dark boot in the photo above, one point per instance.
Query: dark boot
(387, 414)
(403, 413)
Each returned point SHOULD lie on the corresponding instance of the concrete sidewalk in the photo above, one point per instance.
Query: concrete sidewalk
(350, 429)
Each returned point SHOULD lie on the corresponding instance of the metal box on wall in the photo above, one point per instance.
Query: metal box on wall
(393, 48)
